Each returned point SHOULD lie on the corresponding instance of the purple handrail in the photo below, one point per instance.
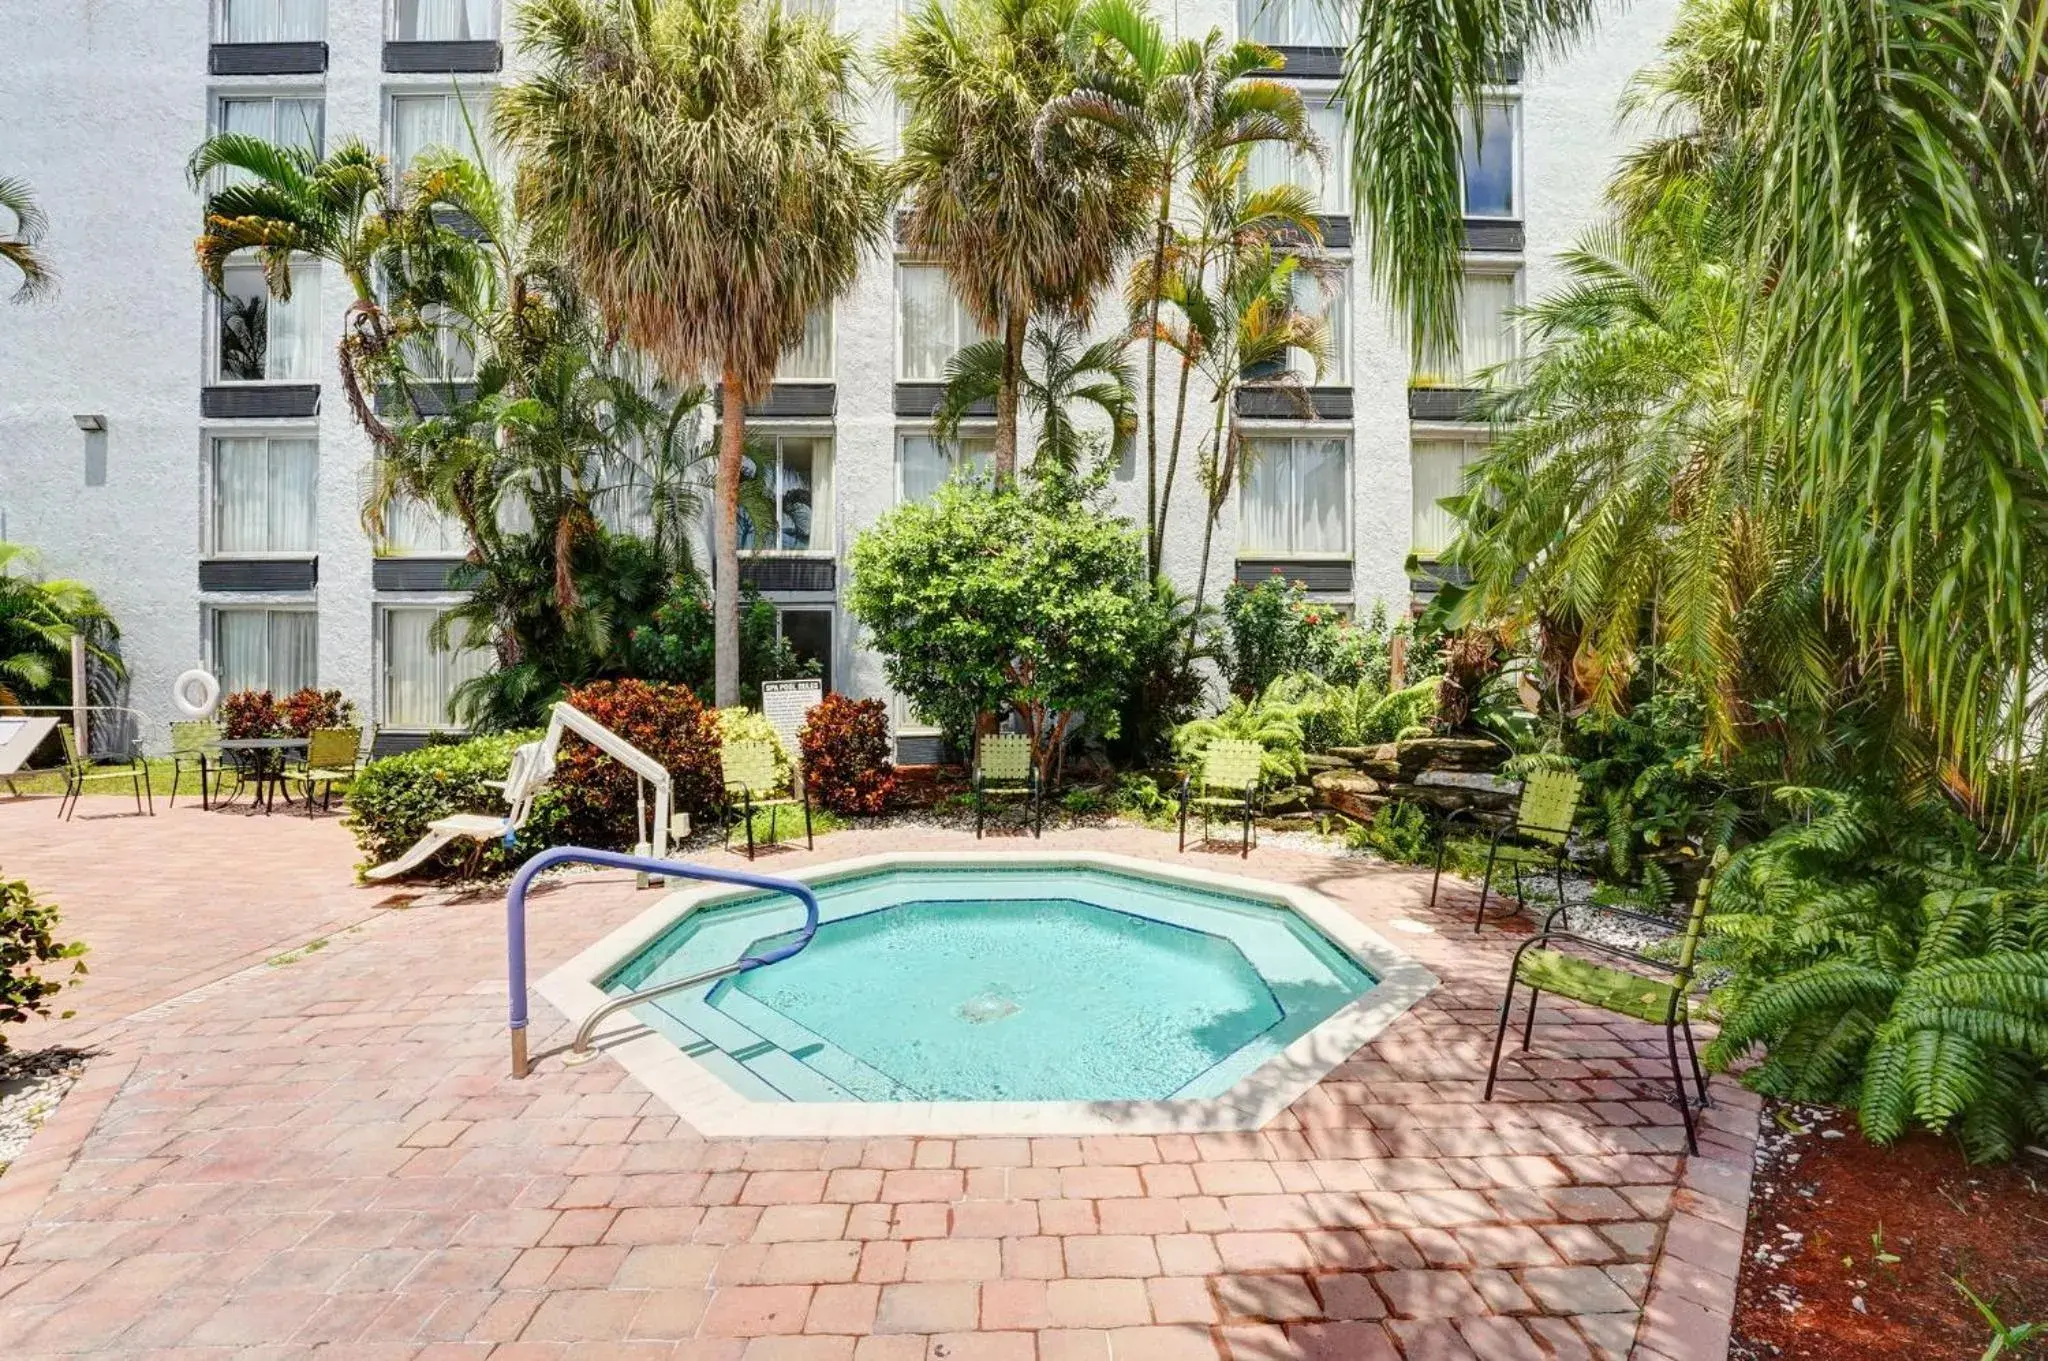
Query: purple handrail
(515, 917)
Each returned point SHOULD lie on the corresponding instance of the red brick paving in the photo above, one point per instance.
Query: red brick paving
(327, 1157)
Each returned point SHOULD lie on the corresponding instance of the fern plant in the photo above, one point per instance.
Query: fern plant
(1881, 958)
(1270, 720)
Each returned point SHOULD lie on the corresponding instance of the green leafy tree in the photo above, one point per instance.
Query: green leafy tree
(21, 244)
(1175, 107)
(1062, 375)
(28, 937)
(710, 192)
(986, 599)
(1024, 226)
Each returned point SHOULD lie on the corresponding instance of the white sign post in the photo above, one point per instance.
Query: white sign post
(786, 704)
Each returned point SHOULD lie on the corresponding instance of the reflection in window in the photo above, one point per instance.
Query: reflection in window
(441, 21)
(808, 631)
(259, 337)
(796, 473)
(274, 650)
(1489, 162)
(923, 464)
(1328, 299)
(263, 495)
(1296, 495)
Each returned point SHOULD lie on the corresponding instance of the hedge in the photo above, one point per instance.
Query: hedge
(392, 800)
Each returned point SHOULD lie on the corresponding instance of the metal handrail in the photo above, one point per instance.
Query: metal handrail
(579, 1048)
(515, 931)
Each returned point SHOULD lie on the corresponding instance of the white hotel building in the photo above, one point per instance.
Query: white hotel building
(216, 509)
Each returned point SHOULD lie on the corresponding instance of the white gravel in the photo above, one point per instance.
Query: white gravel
(32, 1082)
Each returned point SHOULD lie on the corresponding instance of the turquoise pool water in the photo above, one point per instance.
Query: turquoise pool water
(996, 984)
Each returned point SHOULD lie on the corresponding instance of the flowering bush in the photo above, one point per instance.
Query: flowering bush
(305, 710)
(1274, 628)
(251, 713)
(846, 754)
(667, 722)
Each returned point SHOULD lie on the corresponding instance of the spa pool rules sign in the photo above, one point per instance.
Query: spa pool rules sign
(786, 703)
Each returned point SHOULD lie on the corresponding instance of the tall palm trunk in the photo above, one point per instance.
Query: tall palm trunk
(732, 439)
(1161, 232)
(1180, 416)
(1219, 492)
(1006, 396)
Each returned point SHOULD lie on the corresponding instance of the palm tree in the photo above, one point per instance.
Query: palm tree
(18, 245)
(1904, 334)
(1023, 226)
(287, 203)
(1229, 285)
(709, 191)
(1173, 106)
(1068, 374)
(38, 620)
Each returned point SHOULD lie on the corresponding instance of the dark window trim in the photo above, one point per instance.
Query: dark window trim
(470, 57)
(266, 59)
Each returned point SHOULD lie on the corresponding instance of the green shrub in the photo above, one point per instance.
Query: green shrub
(1084, 801)
(1139, 796)
(1880, 959)
(393, 800)
(1331, 714)
(600, 797)
(1273, 628)
(28, 938)
(846, 755)
(1400, 832)
(1400, 715)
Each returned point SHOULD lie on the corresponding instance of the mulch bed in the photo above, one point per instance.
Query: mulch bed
(1853, 1250)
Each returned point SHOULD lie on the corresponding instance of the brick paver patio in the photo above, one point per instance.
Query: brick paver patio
(325, 1156)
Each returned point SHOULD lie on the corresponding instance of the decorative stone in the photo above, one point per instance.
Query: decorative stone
(1467, 779)
(1350, 793)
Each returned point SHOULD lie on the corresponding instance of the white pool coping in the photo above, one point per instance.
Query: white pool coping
(703, 1101)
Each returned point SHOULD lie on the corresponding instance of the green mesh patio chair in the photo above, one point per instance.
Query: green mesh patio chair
(1227, 778)
(196, 746)
(332, 755)
(1537, 836)
(1003, 769)
(81, 770)
(1637, 986)
(751, 782)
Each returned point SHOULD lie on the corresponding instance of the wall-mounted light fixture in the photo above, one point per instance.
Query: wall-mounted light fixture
(92, 423)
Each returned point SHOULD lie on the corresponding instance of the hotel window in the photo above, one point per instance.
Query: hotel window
(443, 353)
(1330, 299)
(1486, 330)
(260, 338)
(1273, 163)
(1490, 162)
(265, 649)
(263, 496)
(808, 631)
(420, 678)
(273, 21)
(1289, 23)
(423, 121)
(932, 324)
(1437, 470)
(1296, 496)
(444, 21)
(923, 464)
(796, 473)
(822, 8)
(296, 121)
(811, 360)
(415, 529)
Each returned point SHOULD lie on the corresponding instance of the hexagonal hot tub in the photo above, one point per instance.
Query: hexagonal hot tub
(1018, 993)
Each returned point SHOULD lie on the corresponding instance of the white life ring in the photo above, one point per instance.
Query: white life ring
(195, 693)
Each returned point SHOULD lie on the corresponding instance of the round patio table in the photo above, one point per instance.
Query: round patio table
(265, 757)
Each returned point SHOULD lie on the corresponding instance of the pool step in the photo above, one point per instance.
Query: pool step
(760, 1052)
